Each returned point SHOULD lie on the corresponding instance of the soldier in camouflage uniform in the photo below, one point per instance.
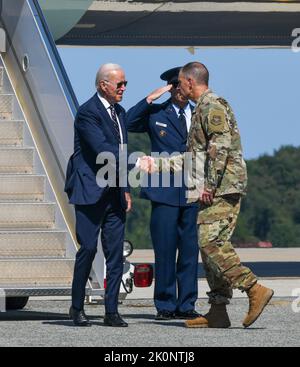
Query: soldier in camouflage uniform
(214, 133)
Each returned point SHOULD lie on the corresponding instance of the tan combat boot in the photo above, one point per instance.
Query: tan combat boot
(199, 322)
(217, 317)
(259, 297)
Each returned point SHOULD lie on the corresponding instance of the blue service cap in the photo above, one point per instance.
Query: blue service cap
(171, 75)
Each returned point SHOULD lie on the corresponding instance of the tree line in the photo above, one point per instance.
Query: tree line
(270, 211)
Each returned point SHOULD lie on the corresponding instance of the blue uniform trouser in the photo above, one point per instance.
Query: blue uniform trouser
(176, 285)
(108, 216)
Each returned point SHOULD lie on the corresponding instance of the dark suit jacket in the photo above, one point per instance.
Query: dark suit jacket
(161, 123)
(94, 134)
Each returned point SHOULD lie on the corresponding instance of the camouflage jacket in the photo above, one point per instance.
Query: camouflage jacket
(214, 130)
(214, 135)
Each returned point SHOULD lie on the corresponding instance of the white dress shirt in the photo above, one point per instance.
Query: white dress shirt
(107, 106)
(187, 113)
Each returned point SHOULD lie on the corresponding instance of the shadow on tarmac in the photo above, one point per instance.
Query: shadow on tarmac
(62, 319)
(35, 316)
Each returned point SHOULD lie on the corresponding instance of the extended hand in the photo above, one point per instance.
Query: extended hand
(158, 93)
(147, 164)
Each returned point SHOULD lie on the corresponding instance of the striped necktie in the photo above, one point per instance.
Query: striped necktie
(115, 122)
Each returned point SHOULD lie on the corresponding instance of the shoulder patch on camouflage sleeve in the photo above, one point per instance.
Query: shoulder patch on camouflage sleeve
(216, 121)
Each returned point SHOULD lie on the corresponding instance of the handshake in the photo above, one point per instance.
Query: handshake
(146, 164)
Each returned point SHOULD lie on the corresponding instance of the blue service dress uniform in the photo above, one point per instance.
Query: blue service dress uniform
(173, 221)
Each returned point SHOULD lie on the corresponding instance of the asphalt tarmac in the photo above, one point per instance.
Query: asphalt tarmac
(46, 324)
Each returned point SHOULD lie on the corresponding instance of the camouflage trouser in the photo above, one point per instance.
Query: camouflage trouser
(223, 267)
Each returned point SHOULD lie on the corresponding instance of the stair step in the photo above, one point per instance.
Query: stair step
(22, 188)
(11, 132)
(32, 244)
(16, 160)
(36, 273)
(27, 215)
(6, 106)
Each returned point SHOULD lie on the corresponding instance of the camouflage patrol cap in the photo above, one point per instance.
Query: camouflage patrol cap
(171, 75)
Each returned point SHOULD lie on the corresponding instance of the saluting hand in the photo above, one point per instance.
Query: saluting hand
(157, 93)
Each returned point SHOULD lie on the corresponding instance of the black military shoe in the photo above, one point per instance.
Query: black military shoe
(79, 318)
(115, 320)
(165, 315)
(187, 315)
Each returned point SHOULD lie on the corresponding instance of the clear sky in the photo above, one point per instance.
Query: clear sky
(262, 85)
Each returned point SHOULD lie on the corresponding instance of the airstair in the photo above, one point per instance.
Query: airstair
(32, 246)
(37, 109)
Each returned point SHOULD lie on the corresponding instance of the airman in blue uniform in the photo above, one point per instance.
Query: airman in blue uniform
(173, 221)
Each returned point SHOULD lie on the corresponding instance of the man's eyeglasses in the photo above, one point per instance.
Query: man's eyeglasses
(119, 84)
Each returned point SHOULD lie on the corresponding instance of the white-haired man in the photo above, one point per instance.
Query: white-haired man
(99, 128)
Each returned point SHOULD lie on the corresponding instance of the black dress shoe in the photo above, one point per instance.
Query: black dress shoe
(165, 315)
(114, 319)
(79, 318)
(187, 315)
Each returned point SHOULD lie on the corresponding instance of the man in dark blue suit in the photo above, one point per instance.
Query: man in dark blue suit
(99, 128)
(173, 221)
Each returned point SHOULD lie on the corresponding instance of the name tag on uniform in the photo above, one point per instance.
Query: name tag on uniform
(161, 124)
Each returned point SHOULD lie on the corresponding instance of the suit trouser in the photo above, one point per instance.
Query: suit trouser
(108, 216)
(175, 228)
(222, 265)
